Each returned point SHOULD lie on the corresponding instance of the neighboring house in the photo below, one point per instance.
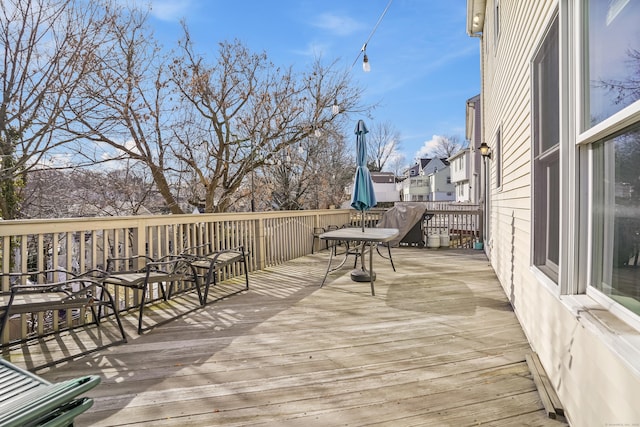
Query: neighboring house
(466, 163)
(460, 166)
(473, 133)
(561, 115)
(428, 180)
(384, 186)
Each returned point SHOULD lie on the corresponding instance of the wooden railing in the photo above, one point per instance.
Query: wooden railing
(82, 244)
(270, 238)
(462, 225)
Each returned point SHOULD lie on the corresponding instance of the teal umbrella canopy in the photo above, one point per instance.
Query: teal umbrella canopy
(363, 197)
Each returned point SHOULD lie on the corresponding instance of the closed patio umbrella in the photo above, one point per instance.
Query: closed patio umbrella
(363, 197)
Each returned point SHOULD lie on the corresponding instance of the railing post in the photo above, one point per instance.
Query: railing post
(140, 241)
(316, 224)
(260, 244)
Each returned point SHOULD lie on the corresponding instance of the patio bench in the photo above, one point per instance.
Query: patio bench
(126, 272)
(28, 400)
(55, 305)
(210, 263)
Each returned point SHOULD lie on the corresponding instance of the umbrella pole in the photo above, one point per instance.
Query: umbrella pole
(362, 219)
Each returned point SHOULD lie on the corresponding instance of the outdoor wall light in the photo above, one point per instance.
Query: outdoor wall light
(485, 151)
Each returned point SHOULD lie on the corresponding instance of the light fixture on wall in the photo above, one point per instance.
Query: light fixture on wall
(485, 150)
(476, 20)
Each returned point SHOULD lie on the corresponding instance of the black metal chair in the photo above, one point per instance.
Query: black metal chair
(128, 272)
(317, 231)
(209, 264)
(61, 303)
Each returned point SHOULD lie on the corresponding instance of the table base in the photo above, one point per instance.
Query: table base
(359, 275)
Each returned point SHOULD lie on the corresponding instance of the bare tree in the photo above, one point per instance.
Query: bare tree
(68, 193)
(48, 50)
(383, 141)
(200, 126)
(397, 164)
(249, 113)
(89, 78)
(311, 175)
(125, 110)
(446, 146)
(625, 90)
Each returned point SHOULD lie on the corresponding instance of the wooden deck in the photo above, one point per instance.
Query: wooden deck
(438, 345)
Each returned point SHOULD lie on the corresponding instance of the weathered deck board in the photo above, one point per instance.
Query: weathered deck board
(437, 345)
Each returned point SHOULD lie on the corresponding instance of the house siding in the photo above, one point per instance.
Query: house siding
(595, 375)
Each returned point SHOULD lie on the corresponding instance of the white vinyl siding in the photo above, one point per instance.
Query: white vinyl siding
(582, 342)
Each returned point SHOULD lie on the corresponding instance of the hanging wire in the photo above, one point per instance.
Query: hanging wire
(364, 46)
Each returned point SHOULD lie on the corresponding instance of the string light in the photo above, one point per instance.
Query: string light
(335, 108)
(366, 66)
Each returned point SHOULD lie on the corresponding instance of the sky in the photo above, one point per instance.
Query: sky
(423, 65)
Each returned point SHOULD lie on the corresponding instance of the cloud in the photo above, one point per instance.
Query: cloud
(55, 160)
(114, 153)
(313, 50)
(429, 146)
(337, 25)
(170, 10)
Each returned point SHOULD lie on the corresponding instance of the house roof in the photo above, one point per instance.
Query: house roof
(383, 177)
(459, 153)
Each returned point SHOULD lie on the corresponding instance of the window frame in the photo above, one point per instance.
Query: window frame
(544, 158)
(586, 138)
(496, 23)
(497, 157)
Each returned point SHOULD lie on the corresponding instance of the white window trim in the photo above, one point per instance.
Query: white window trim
(615, 123)
(498, 157)
(571, 239)
(542, 271)
(496, 24)
(603, 321)
(584, 298)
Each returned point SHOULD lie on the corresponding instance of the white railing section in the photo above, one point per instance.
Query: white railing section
(80, 245)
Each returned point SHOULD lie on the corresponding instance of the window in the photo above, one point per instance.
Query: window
(546, 148)
(611, 84)
(613, 58)
(498, 158)
(616, 218)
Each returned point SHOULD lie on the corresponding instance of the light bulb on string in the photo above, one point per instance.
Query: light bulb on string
(366, 67)
(335, 108)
